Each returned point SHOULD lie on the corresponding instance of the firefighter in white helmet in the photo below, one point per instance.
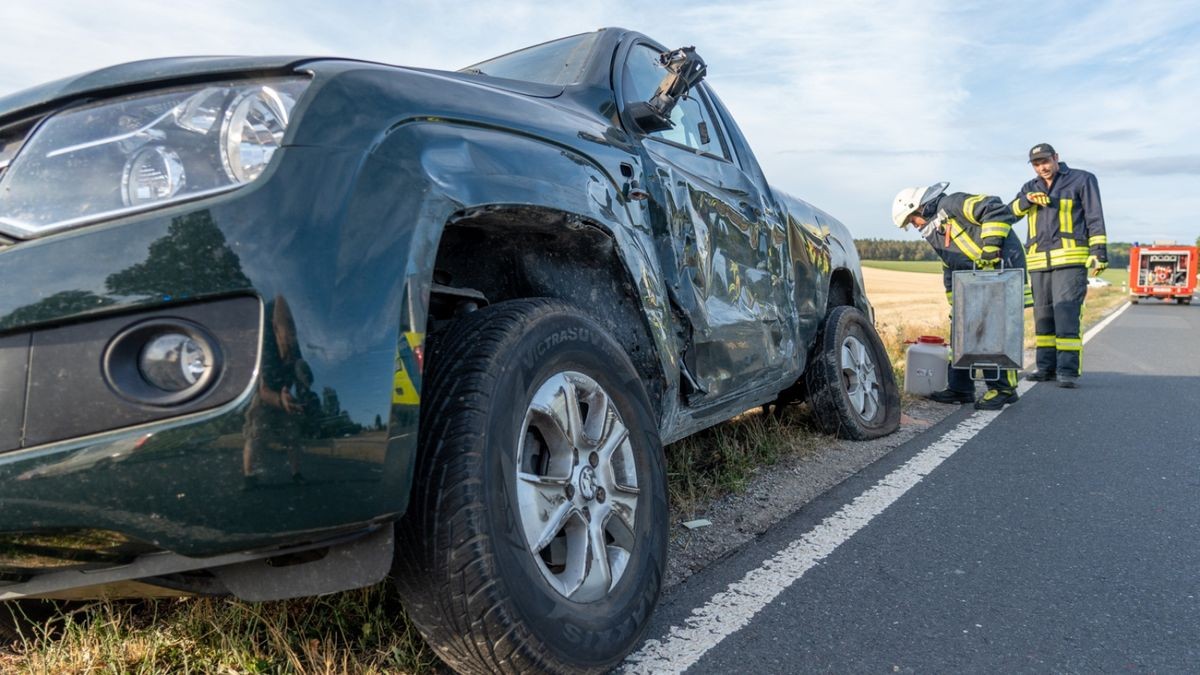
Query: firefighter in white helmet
(967, 232)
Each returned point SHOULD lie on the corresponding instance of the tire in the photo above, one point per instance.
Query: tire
(480, 572)
(1134, 299)
(852, 389)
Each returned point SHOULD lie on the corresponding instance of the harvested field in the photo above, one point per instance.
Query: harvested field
(907, 304)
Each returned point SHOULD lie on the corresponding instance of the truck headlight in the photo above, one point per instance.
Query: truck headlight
(144, 151)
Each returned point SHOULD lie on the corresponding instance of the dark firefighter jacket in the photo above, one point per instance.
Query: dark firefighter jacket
(971, 225)
(1065, 233)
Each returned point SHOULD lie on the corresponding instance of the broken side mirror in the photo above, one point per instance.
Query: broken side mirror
(685, 69)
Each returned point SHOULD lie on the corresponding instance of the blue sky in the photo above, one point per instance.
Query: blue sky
(844, 103)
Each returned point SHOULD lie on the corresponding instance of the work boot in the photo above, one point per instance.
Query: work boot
(1041, 376)
(995, 399)
(951, 396)
(1068, 381)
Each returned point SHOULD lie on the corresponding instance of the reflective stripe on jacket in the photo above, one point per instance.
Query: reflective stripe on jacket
(1071, 228)
(973, 224)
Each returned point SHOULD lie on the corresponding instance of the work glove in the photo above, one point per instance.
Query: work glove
(989, 257)
(1098, 264)
(1039, 198)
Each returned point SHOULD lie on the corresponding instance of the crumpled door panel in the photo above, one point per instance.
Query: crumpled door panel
(728, 266)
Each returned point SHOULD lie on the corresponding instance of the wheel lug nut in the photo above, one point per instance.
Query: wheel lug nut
(600, 495)
(570, 491)
(594, 460)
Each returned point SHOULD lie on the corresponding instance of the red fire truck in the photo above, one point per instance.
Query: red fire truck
(1163, 271)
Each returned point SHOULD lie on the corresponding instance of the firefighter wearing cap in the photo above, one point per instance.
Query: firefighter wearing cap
(1066, 236)
(967, 232)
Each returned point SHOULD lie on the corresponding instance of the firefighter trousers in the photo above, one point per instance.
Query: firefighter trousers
(1058, 296)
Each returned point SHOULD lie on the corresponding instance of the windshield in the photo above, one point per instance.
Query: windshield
(557, 62)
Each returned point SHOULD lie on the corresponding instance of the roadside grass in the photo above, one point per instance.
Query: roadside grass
(361, 631)
(721, 460)
(1116, 276)
(366, 631)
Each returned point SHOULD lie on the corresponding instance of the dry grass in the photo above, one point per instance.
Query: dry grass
(722, 459)
(365, 631)
(362, 631)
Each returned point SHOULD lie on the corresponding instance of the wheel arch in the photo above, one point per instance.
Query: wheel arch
(513, 251)
(548, 209)
(845, 288)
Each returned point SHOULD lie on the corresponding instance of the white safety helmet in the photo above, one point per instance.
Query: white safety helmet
(910, 200)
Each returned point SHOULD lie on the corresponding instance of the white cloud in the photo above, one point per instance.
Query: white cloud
(845, 103)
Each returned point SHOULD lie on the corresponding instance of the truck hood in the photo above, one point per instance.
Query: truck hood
(182, 69)
(138, 73)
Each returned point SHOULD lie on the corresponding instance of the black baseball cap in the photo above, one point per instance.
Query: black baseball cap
(1041, 151)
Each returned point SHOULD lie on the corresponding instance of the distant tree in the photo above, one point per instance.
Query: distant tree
(891, 249)
(335, 422)
(1118, 254)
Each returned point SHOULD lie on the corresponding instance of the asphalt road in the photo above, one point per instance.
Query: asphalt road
(1062, 535)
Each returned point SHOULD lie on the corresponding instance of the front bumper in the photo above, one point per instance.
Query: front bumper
(87, 483)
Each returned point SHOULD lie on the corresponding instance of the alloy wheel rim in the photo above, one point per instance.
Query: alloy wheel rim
(576, 487)
(860, 378)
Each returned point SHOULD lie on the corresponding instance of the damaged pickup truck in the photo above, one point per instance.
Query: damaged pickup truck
(274, 327)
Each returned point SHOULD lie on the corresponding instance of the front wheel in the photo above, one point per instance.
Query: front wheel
(535, 539)
(852, 388)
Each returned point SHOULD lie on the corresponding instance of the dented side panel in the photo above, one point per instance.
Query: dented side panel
(724, 251)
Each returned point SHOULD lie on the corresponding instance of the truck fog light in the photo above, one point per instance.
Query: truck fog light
(173, 362)
(162, 362)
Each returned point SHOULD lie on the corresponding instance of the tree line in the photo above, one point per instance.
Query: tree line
(895, 249)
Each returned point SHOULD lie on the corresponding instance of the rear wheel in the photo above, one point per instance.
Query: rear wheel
(536, 533)
(852, 388)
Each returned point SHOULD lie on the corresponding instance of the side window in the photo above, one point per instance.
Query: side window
(694, 124)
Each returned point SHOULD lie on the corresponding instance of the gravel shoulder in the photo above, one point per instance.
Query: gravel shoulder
(780, 490)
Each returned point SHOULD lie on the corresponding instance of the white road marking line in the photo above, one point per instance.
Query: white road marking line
(732, 609)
